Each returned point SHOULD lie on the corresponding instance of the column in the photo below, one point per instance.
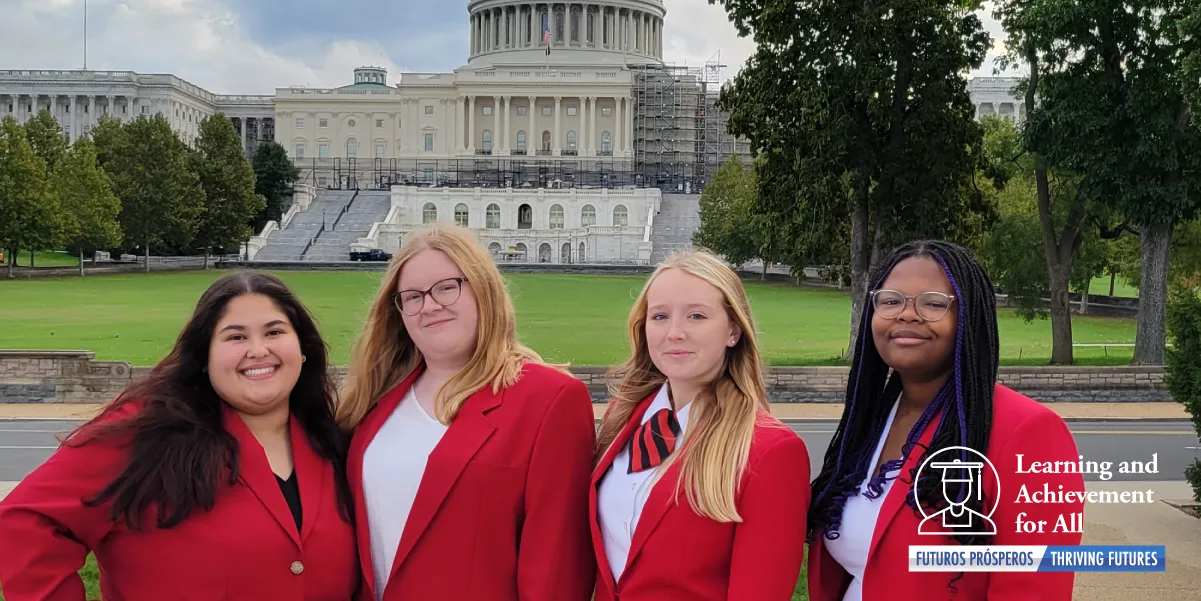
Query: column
(496, 145)
(533, 141)
(243, 123)
(508, 100)
(556, 136)
(471, 124)
(457, 107)
(71, 110)
(629, 124)
(570, 28)
(91, 119)
(582, 141)
(617, 126)
(593, 146)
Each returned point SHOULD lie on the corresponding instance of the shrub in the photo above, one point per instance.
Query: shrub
(1182, 374)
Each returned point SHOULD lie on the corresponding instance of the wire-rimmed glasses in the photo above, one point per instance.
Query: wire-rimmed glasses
(930, 306)
(444, 292)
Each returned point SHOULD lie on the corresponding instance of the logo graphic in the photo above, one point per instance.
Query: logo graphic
(968, 476)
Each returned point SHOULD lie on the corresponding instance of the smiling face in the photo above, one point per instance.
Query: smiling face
(912, 345)
(688, 329)
(254, 356)
(444, 333)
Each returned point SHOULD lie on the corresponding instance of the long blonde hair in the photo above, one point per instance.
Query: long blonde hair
(384, 354)
(722, 419)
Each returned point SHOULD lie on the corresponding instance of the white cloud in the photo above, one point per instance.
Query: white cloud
(199, 41)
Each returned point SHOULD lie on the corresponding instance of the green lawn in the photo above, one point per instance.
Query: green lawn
(46, 258)
(572, 318)
(1100, 287)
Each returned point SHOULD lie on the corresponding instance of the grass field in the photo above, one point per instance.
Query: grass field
(572, 318)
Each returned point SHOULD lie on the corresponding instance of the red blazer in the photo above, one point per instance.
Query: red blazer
(1020, 425)
(678, 555)
(246, 547)
(501, 512)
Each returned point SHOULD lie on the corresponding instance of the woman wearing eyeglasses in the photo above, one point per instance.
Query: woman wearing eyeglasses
(471, 459)
(922, 387)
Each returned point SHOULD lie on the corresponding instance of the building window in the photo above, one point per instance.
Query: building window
(571, 111)
(379, 123)
(587, 216)
(492, 217)
(429, 142)
(521, 140)
(525, 217)
(546, 141)
(575, 27)
(461, 214)
(323, 123)
(299, 123)
(591, 27)
(299, 151)
(487, 110)
(608, 110)
(379, 151)
(352, 148)
(350, 123)
(606, 142)
(323, 151)
(580, 257)
(620, 217)
(571, 140)
(556, 217)
(487, 140)
(546, 111)
(429, 109)
(523, 111)
(429, 213)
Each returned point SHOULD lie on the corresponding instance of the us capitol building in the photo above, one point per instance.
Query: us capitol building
(593, 152)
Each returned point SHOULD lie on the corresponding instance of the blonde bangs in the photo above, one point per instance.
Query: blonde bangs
(384, 354)
(722, 421)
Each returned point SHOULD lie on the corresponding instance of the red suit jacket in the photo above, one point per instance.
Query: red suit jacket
(502, 509)
(678, 555)
(245, 548)
(1020, 425)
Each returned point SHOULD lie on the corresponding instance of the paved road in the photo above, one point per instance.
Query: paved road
(25, 444)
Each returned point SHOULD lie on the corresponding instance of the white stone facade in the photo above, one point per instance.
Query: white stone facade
(996, 96)
(561, 226)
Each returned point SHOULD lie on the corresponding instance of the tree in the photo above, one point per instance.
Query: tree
(1182, 373)
(90, 211)
(274, 178)
(862, 117)
(107, 135)
(24, 194)
(160, 195)
(1111, 109)
(230, 202)
(729, 227)
(47, 139)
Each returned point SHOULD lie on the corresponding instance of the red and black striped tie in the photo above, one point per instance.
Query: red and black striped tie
(654, 441)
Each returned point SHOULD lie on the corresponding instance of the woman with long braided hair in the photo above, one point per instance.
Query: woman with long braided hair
(923, 386)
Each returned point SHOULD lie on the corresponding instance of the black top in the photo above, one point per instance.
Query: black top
(291, 492)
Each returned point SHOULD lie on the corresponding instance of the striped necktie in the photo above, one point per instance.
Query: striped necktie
(654, 441)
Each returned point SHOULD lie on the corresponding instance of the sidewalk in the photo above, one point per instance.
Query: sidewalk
(786, 411)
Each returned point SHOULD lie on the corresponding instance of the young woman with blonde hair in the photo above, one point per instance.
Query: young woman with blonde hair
(470, 458)
(699, 493)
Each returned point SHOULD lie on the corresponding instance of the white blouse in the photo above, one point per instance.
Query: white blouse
(859, 517)
(621, 495)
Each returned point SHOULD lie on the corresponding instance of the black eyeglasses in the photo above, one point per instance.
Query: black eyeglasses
(930, 306)
(445, 292)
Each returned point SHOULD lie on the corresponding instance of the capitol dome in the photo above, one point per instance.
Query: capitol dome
(604, 32)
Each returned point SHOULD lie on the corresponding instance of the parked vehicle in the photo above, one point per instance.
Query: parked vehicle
(374, 254)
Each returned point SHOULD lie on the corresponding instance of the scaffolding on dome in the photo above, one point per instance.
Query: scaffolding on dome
(680, 137)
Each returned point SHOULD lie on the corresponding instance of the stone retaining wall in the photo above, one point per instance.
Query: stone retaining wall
(76, 377)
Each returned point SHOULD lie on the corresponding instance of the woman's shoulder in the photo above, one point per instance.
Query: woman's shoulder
(546, 377)
(1015, 413)
(770, 433)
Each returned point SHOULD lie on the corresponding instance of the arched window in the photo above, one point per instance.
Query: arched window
(546, 141)
(621, 218)
(606, 142)
(352, 148)
(556, 217)
(591, 27)
(429, 213)
(521, 140)
(575, 26)
(544, 253)
(559, 21)
(488, 140)
(492, 217)
(571, 140)
(587, 216)
(494, 248)
(525, 217)
(565, 253)
(461, 214)
(580, 257)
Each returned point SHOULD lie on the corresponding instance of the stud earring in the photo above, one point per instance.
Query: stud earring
(303, 358)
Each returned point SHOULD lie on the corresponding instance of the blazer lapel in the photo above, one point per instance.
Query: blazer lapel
(312, 475)
(255, 472)
(899, 490)
(466, 434)
(619, 443)
(364, 433)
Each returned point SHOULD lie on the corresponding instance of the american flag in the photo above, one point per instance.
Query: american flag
(546, 40)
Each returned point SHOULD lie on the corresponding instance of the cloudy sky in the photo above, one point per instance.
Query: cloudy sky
(255, 46)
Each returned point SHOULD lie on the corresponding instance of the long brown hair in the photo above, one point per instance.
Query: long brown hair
(180, 453)
(384, 354)
(722, 419)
